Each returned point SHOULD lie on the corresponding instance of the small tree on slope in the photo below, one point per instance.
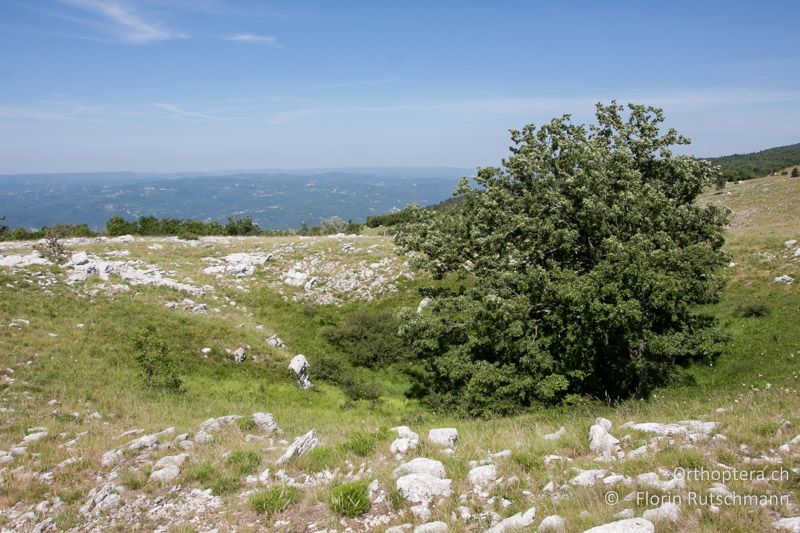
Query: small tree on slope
(581, 264)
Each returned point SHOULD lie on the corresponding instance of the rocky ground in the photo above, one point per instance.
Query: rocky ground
(84, 447)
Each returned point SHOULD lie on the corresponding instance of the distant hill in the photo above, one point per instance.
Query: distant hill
(757, 164)
(274, 200)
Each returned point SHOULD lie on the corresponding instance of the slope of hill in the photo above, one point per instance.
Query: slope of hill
(87, 445)
(754, 165)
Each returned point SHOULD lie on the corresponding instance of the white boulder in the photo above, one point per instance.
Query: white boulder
(444, 437)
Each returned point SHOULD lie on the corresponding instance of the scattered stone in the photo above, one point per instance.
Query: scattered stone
(425, 302)
(266, 422)
(587, 478)
(407, 440)
(276, 341)
(624, 514)
(481, 476)
(102, 499)
(788, 524)
(518, 522)
(651, 480)
(602, 442)
(423, 488)
(432, 527)
(787, 279)
(202, 437)
(552, 524)
(300, 446)
(239, 356)
(790, 243)
(33, 437)
(668, 512)
(556, 435)
(299, 365)
(420, 465)
(445, 437)
(166, 474)
(629, 525)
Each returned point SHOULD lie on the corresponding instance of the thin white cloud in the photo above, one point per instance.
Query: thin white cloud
(679, 101)
(355, 83)
(176, 111)
(123, 23)
(250, 38)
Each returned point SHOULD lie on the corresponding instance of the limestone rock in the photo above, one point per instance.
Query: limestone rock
(445, 437)
(420, 465)
(552, 524)
(629, 525)
(481, 476)
(432, 527)
(299, 365)
(517, 522)
(423, 488)
(299, 446)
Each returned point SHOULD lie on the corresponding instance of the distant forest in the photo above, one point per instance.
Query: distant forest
(758, 164)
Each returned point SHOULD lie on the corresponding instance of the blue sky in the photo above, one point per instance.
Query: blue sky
(170, 85)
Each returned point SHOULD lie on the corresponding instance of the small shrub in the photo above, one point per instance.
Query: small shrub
(369, 339)
(795, 172)
(528, 461)
(273, 500)
(159, 368)
(350, 499)
(243, 462)
(754, 310)
(52, 248)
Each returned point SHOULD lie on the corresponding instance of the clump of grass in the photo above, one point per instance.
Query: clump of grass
(67, 520)
(350, 499)
(361, 444)
(395, 499)
(243, 462)
(273, 500)
(132, 479)
(246, 424)
(527, 461)
(204, 473)
(319, 459)
(225, 485)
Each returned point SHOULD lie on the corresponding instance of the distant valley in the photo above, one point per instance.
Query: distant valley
(275, 200)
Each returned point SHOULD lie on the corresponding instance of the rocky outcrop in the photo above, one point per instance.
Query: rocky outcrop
(299, 365)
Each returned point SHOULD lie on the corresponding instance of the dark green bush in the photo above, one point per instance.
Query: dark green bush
(159, 369)
(583, 263)
(753, 310)
(369, 338)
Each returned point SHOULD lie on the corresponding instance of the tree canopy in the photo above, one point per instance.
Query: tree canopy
(577, 268)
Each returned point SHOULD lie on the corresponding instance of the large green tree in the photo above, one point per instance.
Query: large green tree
(579, 268)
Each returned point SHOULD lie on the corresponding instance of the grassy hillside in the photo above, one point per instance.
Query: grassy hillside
(754, 165)
(74, 358)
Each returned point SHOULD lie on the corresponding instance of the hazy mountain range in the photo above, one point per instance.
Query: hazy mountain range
(275, 199)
